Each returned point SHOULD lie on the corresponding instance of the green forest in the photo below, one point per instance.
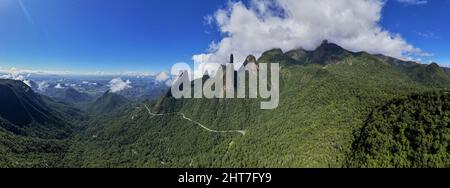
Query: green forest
(411, 131)
(337, 109)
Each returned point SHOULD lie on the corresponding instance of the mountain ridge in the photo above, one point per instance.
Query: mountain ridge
(29, 110)
(108, 103)
(325, 96)
(321, 105)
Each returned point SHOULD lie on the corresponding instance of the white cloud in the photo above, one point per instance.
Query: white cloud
(117, 84)
(289, 24)
(59, 86)
(428, 35)
(32, 71)
(42, 86)
(27, 82)
(13, 74)
(208, 20)
(66, 73)
(88, 83)
(162, 77)
(169, 82)
(413, 2)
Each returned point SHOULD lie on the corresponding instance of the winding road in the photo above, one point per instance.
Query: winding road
(242, 132)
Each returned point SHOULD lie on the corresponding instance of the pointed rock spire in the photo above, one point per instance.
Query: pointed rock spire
(250, 59)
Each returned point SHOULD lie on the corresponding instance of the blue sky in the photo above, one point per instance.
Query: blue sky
(426, 26)
(151, 35)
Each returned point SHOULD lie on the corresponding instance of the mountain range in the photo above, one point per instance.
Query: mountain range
(332, 104)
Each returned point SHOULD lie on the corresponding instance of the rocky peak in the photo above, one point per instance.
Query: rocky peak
(297, 54)
(328, 53)
(250, 59)
(273, 52)
(327, 46)
(433, 67)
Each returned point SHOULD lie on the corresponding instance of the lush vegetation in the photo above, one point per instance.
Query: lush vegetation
(23, 151)
(320, 107)
(326, 95)
(411, 131)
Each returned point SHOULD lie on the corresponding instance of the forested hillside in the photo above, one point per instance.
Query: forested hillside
(326, 95)
(412, 131)
(33, 128)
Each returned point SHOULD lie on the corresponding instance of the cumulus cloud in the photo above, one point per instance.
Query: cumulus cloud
(42, 86)
(162, 76)
(59, 86)
(169, 82)
(413, 2)
(117, 84)
(288, 24)
(27, 82)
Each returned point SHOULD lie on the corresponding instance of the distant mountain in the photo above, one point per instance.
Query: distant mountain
(430, 74)
(326, 95)
(69, 95)
(109, 103)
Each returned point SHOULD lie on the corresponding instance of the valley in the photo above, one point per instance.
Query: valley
(327, 96)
